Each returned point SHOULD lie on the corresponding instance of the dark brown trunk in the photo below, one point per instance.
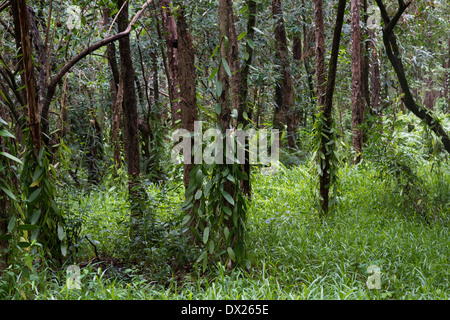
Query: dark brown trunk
(357, 81)
(114, 88)
(188, 96)
(30, 81)
(319, 52)
(252, 10)
(375, 80)
(284, 113)
(327, 95)
(130, 117)
(171, 37)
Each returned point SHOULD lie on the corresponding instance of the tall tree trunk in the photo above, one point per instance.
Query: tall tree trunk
(325, 94)
(375, 80)
(284, 113)
(357, 81)
(129, 107)
(252, 10)
(171, 37)
(30, 81)
(114, 88)
(319, 33)
(188, 92)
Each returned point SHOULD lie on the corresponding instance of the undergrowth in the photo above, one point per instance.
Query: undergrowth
(293, 254)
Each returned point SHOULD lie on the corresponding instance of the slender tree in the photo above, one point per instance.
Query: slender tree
(357, 81)
(325, 90)
(129, 108)
(284, 92)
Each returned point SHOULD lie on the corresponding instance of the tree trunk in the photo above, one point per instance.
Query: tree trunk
(325, 93)
(252, 10)
(188, 92)
(114, 88)
(30, 81)
(284, 113)
(319, 32)
(375, 81)
(357, 81)
(171, 37)
(129, 107)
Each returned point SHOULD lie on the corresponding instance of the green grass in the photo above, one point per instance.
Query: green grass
(292, 254)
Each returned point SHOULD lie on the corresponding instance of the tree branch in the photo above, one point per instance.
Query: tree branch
(57, 78)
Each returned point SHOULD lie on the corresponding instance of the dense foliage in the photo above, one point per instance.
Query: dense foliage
(76, 190)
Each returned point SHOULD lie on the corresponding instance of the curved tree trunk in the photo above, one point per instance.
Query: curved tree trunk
(393, 53)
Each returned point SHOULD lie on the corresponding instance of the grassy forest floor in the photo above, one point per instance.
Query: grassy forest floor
(292, 255)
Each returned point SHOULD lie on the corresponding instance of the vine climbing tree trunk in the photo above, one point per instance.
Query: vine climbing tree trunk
(325, 91)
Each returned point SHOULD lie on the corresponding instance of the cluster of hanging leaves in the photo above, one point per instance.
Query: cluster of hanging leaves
(216, 219)
(41, 217)
(34, 217)
(325, 139)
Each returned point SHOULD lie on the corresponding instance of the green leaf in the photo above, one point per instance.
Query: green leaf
(219, 88)
(218, 108)
(211, 246)
(23, 244)
(10, 156)
(214, 52)
(231, 253)
(226, 233)
(28, 227)
(61, 233)
(37, 174)
(258, 30)
(11, 224)
(8, 193)
(213, 74)
(34, 195)
(4, 133)
(226, 67)
(227, 211)
(186, 219)
(251, 43)
(242, 35)
(199, 177)
(198, 194)
(64, 249)
(35, 217)
(205, 235)
(228, 197)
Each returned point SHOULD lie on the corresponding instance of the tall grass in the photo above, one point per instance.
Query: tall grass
(293, 254)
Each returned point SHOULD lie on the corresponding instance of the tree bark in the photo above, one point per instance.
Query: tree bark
(319, 33)
(188, 92)
(252, 10)
(30, 81)
(130, 117)
(325, 92)
(357, 81)
(284, 113)
(171, 37)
